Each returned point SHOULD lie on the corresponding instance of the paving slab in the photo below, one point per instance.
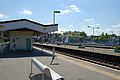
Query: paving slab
(19, 69)
(14, 69)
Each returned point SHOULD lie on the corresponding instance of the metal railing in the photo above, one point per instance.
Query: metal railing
(45, 70)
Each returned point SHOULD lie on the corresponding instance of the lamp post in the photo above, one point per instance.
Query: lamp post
(93, 33)
(54, 36)
(64, 38)
(112, 38)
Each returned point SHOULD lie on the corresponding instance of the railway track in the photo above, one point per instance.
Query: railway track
(101, 59)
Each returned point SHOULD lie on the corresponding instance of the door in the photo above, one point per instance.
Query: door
(28, 44)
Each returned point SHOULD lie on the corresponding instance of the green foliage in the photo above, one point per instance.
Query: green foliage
(105, 37)
(80, 37)
(75, 34)
(81, 46)
(118, 47)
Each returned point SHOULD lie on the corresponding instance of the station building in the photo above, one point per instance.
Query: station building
(21, 32)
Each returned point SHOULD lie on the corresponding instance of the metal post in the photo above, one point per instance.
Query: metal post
(50, 38)
(42, 42)
(54, 17)
(65, 39)
(2, 41)
(93, 34)
(53, 35)
(93, 38)
(31, 69)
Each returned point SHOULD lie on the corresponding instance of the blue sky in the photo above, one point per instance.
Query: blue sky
(75, 14)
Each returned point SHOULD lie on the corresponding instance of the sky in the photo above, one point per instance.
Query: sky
(75, 15)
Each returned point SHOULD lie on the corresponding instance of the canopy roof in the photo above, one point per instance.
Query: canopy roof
(27, 24)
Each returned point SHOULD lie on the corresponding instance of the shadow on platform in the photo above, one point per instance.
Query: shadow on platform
(39, 77)
(21, 54)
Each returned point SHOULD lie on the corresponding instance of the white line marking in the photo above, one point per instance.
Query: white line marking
(77, 62)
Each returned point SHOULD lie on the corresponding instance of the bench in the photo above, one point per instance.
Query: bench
(45, 70)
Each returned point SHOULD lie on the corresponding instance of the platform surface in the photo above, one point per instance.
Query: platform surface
(89, 49)
(68, 67)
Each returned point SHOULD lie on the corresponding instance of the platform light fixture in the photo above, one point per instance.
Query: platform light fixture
(54, 12)
(93, 33)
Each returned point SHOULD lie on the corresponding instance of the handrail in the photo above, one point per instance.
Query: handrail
(46, 70)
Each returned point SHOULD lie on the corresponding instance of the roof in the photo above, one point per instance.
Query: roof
(25, 23)
(2, 22)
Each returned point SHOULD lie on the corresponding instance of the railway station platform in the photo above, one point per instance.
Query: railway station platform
(106, 57)
(18, 68)
(89, 49)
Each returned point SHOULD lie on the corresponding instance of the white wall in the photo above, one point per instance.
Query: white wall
(20, 39)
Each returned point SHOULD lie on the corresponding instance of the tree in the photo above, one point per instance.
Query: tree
(105, 37)
(83, 34)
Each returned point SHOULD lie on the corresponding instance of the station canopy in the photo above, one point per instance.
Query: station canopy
(27, 25)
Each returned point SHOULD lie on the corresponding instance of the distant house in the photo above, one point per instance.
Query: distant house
(21, 32)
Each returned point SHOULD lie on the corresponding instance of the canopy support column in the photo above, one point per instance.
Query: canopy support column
(2, 42)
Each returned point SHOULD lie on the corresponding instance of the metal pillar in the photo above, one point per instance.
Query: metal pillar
(42, 42)
(31, 68)
(93, 38)
(54, 36)
(2, 42)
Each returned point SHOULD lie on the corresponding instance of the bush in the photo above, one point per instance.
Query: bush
(118, 47)
(81, 46)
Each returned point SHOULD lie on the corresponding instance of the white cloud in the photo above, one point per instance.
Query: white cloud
(110, 30)
(70, 9)
(70, 25)
(26, 12)
(66, 11)
(2, 16)
(89, 19)
(115, 29)
(98, 24)
(74, 8)
(91, 22)
(102, 28)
